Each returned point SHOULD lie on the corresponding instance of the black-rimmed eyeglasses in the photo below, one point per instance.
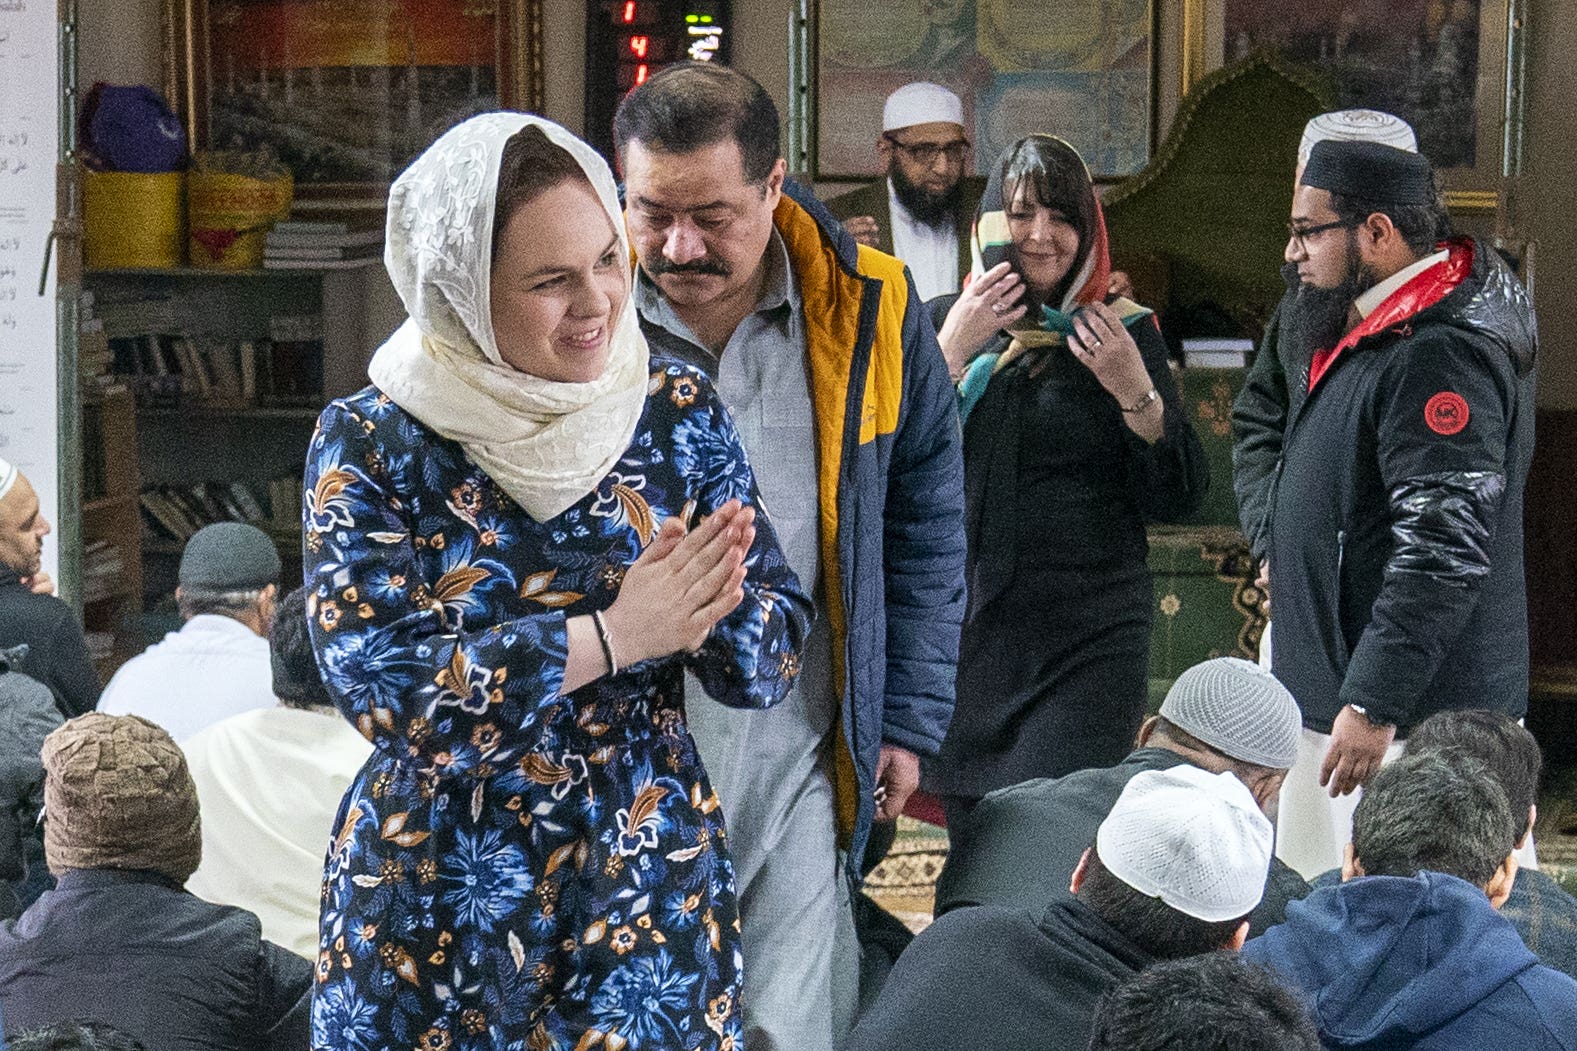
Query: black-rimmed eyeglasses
(1301, 234)
(927, 152)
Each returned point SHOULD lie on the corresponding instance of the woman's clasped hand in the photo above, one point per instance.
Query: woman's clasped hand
(682, 585)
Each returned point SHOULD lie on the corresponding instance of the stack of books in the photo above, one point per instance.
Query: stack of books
(175, 512)
(1216, 353)
(321, 246)
(102, 570)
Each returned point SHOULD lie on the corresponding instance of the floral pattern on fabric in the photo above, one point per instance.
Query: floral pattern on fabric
(514, 868)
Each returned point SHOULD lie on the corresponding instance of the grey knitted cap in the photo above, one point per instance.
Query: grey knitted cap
(1237, 708)
(229, 556)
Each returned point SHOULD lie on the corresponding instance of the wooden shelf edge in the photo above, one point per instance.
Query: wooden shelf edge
(103, 503)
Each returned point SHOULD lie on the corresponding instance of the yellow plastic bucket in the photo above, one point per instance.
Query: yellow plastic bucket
(228, 217)
(133, 220)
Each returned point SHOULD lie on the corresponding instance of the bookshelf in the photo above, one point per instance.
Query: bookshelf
(111, 552)
(222, 375)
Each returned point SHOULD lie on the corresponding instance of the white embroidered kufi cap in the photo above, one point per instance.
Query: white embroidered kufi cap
(921, 103)
(1357, 125)
(1194, 839)
(1237, 708)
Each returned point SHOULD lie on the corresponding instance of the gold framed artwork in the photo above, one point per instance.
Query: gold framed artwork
(1451, 68)
(1086, 74)
(346, 92)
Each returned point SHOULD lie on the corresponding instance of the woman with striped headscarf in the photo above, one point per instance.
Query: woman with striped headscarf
(1074, 438)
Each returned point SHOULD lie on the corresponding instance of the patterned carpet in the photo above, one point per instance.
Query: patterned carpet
(905, 883)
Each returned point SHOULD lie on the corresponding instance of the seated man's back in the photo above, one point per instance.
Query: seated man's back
(135, 950)
(1409, 953)
(271, 782)
(1001, 976)
(218, 664)
(1176, 867)
(119, 940)
(1420, 963)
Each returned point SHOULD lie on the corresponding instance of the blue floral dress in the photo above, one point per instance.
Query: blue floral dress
(515, 868)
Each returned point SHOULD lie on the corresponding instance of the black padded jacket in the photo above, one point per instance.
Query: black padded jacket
(1395, 517)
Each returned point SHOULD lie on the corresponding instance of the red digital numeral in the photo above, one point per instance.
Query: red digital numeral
(629, 11)
(639, 45)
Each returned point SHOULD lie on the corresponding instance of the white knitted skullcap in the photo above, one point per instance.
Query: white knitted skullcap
(1194, 839)
(8, 476)
(921, 103)
(1357, 125)
(1237, 708)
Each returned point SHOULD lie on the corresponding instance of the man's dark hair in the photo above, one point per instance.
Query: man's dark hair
(297, 681)
(531, 165)
(1150, 923)
(1495, 739)
(76, 1036)
(1434, 811)
(695, 104)
(1214, 1001)
(1422, 226)
(1245, 772)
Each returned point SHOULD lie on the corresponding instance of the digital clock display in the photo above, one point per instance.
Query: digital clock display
(628, 41)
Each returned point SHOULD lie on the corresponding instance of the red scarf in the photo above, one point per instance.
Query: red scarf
(1418, 294)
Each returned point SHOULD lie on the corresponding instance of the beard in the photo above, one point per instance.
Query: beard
(932, 209)
(1317, 317)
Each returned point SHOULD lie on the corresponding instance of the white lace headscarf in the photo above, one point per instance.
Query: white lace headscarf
(546, 443)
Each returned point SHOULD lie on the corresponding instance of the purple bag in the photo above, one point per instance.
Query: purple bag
(132, 130)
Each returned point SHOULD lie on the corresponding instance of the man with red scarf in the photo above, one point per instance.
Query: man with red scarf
(1395, 527)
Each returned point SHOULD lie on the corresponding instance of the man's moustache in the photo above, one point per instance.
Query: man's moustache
(707, 267)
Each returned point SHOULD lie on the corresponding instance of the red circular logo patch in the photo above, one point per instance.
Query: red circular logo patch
(1446, 413)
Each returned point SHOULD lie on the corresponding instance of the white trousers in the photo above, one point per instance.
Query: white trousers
(1312, 829)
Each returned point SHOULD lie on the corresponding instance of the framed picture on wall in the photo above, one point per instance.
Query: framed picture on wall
(346, 92)
(1085, 74)
(1441, 65)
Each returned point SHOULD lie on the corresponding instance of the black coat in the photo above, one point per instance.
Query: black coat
(1395, 523)
(136, 951)
(996, 978)
(1259, 420)
(1054, 658)
(1019, 846)
(57, 654)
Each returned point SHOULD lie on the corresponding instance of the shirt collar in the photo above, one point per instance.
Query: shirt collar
(1371, 300)
(217, 624)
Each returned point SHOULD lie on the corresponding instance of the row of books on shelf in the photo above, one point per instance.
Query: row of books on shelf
(173, 368)
(102, 570)
(175, 512)
(320, 246)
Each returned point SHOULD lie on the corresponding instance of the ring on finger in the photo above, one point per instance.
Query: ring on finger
(996, 308)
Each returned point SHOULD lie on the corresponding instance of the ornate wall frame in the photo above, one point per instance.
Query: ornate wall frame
(1479, 187)
(349, 121)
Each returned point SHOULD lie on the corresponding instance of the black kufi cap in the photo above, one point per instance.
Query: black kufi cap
(1370, 171)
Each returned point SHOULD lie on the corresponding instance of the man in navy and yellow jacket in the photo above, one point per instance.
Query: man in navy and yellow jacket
(824, 357)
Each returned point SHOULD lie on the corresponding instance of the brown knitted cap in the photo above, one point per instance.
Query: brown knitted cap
(117, 795)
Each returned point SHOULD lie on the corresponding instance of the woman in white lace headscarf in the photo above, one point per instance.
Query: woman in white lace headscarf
(517, 539)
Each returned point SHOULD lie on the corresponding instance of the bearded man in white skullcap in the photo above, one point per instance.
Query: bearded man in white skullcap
(30, 613)
(922, 209)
